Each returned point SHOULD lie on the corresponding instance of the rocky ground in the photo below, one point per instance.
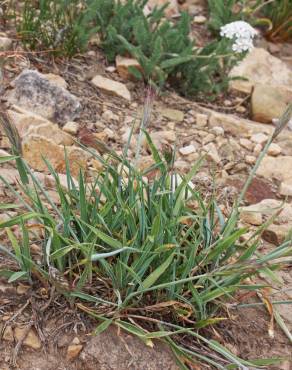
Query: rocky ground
(57, 103)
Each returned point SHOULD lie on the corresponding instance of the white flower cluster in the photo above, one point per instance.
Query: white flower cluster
(242, 33)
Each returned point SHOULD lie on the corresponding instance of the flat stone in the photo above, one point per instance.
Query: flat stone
(51, 130)
(260, 67)
(250, 159)
(279, 168)
(276, 234)
(186, 150)
(33, 92)
(250, 216)
(286, 187)
(212, 152)
(111, 87)
(259, 138)
(73, 351)
(172, 114)
(274, 150)
(268, 102)
(200, 19)
(71, 127)
(201, 119)
(218, 131)
(31, 340)
(123, 64)
(36, 147)
(247, 144)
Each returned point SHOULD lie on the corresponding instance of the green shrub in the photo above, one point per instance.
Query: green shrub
(137, 251)
(280, 14)
(62, 26)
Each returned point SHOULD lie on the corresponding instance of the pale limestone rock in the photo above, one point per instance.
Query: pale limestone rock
(250, 159)
(268, 102)
(286, 187)
(123, 64)
(279, 168)
(56, 80)
(259, 66)
(35, 147)
(31, 340)
(51, 130)
(200, 19)
(247, 144)
(212, 152)
(73, 351)
(201, 119)
(111, 87)
(8, 334)
(71, 127)
(187, 150)
(218, 131)
(33, 92)
(259, 138)
(208, 138)
(109, 116)
(274, 150)
(172, 114)
(250, 216)
(257, 149)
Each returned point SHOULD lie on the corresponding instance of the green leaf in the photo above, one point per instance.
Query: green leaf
(103, 326)
(17, 275)
(155, 275)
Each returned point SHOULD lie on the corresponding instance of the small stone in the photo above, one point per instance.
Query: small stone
(75, 340)
(247, 144)
(110, 69)
(257, 149)
(112, 87)
(186, 150)
(71, 127)
(276, 234)
(208, 138)
(250, 216)
(250, 159)
(279, 168)
(3, 153)
(123, 64)
(274, 150)
(200, 19)
(73, 351)
(259, 138)
(51, 130)
(22, 289)
(227, 103)
(31, 340)
(109, 116)
(286, 188)
(212, 152)
(218, 130)
(240, 109)
(56, 80)
(172, 114)
(8, 334)
(201, 119)
(5, 43)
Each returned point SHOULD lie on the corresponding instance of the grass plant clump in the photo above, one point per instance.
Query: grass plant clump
(153, 257)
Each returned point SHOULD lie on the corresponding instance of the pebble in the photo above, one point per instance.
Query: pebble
(31, 340)
(212, 152)
(240, 109)
(71, 128)
(274, 149)
(259, 138)
(187, 150)
(108, 115)
(245, 143)
(201, 119)
(208, 138)
(200, 19)
(250, 159)
(73, 351)
(257, 149)
(218, 130)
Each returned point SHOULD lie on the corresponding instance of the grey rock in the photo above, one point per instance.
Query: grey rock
(33, 92)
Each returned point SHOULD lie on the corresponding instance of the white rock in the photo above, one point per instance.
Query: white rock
(250, 159)
(56, 80)
(112, 87)
(200, 19)
(186, 150)
(259, 138)
(208, 138)
(217, 130)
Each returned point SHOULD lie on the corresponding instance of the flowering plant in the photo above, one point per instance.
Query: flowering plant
(242, 34)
